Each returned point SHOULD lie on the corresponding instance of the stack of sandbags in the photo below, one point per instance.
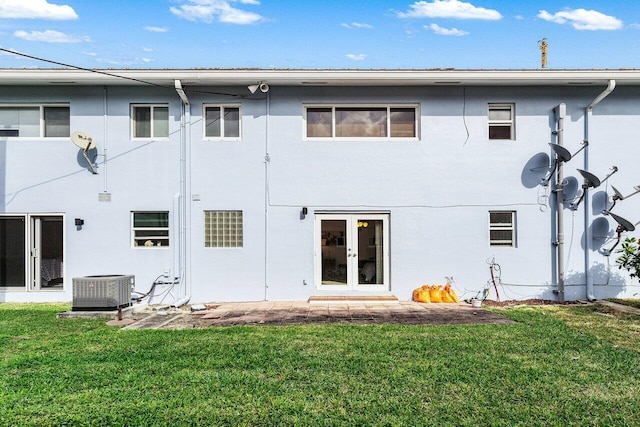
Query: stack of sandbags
(435, 293)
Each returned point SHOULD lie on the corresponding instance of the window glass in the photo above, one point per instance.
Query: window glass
(231, 122)
(502, 228)
(56, 122)
(501, 121)
(150, 229)
(361, 122)
(20, 121)
(160, 122)
(223, 229)
(319, 122)
(142, 121)
(403, 122)
(212, 122)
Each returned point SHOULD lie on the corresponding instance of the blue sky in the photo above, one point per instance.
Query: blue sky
(464, 34)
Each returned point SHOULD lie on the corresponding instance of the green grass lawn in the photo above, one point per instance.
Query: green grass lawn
(554, 366)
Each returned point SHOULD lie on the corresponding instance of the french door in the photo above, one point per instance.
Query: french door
(352, 252)
(31, 252)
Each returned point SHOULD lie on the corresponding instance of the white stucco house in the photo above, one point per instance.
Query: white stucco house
(250, 184)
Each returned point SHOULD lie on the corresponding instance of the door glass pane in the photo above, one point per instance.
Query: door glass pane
(370, 252)
(12, 252)
(51, 261)
(334, 252)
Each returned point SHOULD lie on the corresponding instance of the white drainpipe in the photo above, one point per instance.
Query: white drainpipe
(587, 203)
(184, 216)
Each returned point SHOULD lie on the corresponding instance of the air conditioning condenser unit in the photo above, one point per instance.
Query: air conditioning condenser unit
(96, 293)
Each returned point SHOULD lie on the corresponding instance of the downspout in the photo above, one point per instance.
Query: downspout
(184, 217)
(587, 203)
(267, 161)
(104, 141)
(560, 112)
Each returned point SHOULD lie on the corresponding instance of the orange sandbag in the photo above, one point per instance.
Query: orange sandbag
(435, 294)
(423, 295)
(446, 297)
(453, 295)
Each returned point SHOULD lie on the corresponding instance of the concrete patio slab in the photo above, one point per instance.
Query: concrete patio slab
(303, 313)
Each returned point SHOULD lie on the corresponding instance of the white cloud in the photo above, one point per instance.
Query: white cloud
(357, 25)
(90, 53)
(147, 60)
(50, 36)
(446, 31)
(156, 29)
(147, 49)
(35, 9)
(455, 9)
(220, 10)
(582, 19)
(358, 57)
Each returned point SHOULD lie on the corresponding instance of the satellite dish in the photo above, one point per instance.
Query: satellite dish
(592, 180)
(623, 223)
(83, 140)
(562, 153)
(618, 195)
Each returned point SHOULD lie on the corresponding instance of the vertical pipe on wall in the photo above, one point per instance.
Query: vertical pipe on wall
(267, 159)
(184, 203)
(587, 204)
(104, 141)
(560, 113)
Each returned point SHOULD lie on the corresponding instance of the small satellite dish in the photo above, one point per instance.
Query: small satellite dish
(562, 153)
(623, 223)
(618, 195)
(83, 140)
(592, 180)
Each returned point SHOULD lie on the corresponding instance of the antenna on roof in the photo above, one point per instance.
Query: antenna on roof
(542, 45)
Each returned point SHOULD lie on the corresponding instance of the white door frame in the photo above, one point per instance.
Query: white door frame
(352, 260)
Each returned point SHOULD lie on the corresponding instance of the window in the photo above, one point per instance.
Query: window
(502, 228)
(221, 122)
(34, 121)
(150, 121)
(150, 229)
(502, 121)
(361, 122)
(223, 229)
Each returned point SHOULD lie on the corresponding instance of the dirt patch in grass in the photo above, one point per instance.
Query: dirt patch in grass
(532, 301)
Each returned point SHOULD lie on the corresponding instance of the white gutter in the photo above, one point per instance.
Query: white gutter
(267, 162)
(587, 203)
(184, 217)
(560, 114)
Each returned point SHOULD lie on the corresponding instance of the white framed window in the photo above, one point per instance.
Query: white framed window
(502, 228)
(361, 121)
(35, 121)
(223, 229)
(150, 229)
(221, 122)
(149, 121)
(502, 121)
